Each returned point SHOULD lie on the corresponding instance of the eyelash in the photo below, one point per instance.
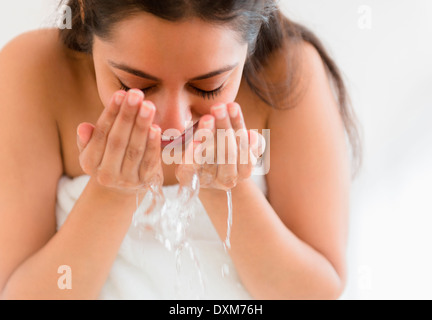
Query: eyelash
(202, 93)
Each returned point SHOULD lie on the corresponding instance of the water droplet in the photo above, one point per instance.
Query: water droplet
(225, 270)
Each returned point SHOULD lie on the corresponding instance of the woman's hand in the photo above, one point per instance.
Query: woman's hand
(122, 151)
(229, 152)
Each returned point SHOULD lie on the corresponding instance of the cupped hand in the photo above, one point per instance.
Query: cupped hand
(122, 151)
(228, 153)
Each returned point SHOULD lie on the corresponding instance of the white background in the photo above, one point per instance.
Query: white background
(388, 69)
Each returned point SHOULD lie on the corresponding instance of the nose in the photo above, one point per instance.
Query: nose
(173, 111)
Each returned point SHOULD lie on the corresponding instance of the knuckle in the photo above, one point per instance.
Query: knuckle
(206, 179)
(243, 145)
(116, 143)
(232, 157)
(147, 163)
(86, 164)
(141, 124)
(111, 114)
(152, 147)
(230, 185)
(228, 181)
(127, 117)
(227, 157)
(100, 133)
(105, 178)
(133, 154)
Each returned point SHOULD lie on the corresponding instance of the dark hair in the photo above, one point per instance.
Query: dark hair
(260, 23)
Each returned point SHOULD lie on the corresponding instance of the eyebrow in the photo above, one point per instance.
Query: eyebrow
(145, 75)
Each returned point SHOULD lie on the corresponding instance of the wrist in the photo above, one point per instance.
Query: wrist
(242, 188)
(113, 194)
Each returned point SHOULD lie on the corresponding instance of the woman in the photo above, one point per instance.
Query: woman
(227, 64)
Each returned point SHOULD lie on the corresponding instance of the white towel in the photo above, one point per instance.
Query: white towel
(145, 269)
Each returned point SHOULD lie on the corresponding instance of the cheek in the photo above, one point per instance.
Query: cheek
(106, 84)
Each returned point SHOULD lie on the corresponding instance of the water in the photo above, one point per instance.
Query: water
(170, 219)
(227, 243)
(225, 271)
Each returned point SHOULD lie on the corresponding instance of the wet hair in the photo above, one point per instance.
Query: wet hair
(259, 23)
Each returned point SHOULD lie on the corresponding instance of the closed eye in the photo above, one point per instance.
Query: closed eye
(199, 92)
(144, 90)
(207, 94)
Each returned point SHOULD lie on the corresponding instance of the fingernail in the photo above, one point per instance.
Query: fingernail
(79, 138)
(146, 109)
(233, 111)
(153, 132)
(209, 124)
(119, 98)
(135, 98)
(78, 133)
(220, 112)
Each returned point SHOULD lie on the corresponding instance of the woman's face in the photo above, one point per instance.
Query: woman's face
(184, 68)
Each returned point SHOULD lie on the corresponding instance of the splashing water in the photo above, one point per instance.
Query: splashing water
(169, 219)
(227, 243)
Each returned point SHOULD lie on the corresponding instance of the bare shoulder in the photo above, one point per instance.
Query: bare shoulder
(292, 73)
(309, 84)
(38, 49)
(38, 60)
(57, 79)
(312, 128)
(298, 65)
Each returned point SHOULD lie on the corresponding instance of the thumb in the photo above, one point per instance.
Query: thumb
(84, 134)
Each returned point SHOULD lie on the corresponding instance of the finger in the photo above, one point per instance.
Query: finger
(204, 143)
(137, 143)
(91, 156)
(244, 163)
(118, 138)
(226, 148)
(236, 116)
(150, 164)
(84, 133)
(185, 170)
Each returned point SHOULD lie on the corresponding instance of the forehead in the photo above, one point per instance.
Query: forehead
(193, 44)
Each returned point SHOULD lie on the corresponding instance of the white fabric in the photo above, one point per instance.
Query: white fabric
(144, 269)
